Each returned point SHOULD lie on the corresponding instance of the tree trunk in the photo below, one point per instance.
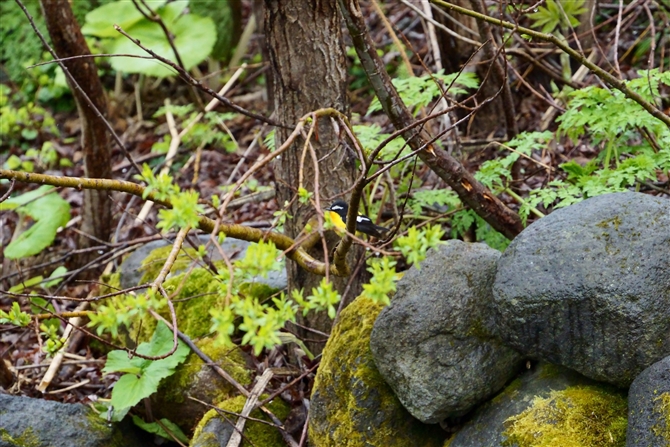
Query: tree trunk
(67, 41)
(309, 69)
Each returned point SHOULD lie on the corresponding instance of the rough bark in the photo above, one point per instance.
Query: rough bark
(308, 62)
(67, 41)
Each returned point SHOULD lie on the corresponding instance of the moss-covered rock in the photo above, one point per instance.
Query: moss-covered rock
(196, 290)
(351, 403)
(581, 416)
(194, 378)
(213, 430)
(549, 406)
(588, 287)
(649, 407)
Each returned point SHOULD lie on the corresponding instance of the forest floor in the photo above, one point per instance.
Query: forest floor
(207, 168)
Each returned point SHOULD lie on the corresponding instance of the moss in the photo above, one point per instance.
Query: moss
(662, 407)
(153, 263)
(615, 221)
(26, 439)
(96, 423)
(345, 345)
(255, 433)
(198, 292)
(478, 330)
(230, 360)
(350, 387)
(111, 281)
(580, 416)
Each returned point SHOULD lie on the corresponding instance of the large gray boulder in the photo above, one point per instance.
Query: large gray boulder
(550, 406)
(42, 423)
(649, 407)
(588, 287)
(434, 344)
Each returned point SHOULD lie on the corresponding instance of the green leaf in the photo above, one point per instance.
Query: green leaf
(130, 389)
(325, 297)
(185, 211)
(416, 243)
(56, 277)
(304, 195)
(372, 136)
(259, 260)
(100, 22)
(50, 212)
(156, 429)
(13, 162)
(561, 14)
(194, 38)
(37, 306)
(29, 134)
(15, 316)
(118, 361)
(383, 281)
(143, 376)
(420, 91)
(26, 284)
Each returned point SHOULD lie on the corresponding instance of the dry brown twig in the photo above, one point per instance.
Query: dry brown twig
(281, 241)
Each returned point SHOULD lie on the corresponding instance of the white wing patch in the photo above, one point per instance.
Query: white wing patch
(362, 219)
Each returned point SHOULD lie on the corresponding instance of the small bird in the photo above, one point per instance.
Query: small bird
(338, 215)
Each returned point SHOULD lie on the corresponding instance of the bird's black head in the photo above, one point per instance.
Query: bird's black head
(340, 207)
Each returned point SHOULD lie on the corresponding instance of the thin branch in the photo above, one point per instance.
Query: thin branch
(194, 82)
(84, 56)
(605, 76)
(153, 17)
(616, 38)
(281, 241)
(437, 24)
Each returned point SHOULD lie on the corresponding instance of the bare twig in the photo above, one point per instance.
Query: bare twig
(281, 241)
(84, 56)
(6, 195)
(437, 24)
(194, 82)
(604, 75)
(153, 17)
(616, 38)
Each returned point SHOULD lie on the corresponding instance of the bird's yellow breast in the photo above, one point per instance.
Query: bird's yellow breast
(337, 220)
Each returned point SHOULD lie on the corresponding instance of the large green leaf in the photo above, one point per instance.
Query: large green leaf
(143, 376)
(194, 38)
(48, 210)
(131, 389)
(100, 22)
